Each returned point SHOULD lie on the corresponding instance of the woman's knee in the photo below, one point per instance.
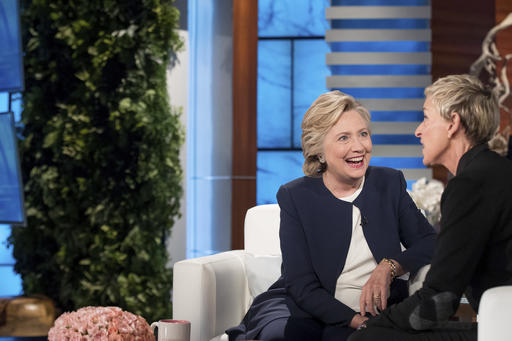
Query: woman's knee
(363, 335)
(273, 331)
(299, 329)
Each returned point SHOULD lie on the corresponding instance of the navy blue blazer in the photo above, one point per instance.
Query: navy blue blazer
(315, 234)
(316, 230)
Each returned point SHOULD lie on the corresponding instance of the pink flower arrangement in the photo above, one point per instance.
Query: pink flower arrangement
(102, 324)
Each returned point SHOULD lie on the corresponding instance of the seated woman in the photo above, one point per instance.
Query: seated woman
(474, 249)
(341, 229)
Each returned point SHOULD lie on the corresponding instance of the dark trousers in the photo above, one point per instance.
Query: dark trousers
(390, 334)
(298, 329)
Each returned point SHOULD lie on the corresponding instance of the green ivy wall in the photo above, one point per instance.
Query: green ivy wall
(100, 158)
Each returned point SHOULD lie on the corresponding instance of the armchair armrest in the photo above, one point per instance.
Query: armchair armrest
(416, 282)
(211, 292)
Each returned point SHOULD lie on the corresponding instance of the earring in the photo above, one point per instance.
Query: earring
(321, 158)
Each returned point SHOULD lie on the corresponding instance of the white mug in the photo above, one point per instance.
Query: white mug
(172, 330)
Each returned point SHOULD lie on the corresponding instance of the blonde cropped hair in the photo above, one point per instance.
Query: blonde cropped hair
(476, 105)
(321, 116)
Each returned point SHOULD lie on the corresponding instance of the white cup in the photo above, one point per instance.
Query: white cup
(172, 330)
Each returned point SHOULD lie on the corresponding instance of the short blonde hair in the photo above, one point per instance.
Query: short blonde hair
(476, 105)
(321, 116)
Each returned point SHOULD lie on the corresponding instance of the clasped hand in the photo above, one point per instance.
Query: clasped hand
(376, 290)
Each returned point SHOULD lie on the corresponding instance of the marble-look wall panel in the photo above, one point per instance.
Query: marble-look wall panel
(286, 18)
(274, 93)
(211, 228)
(209, 127)
(309, 74)
(276, 168)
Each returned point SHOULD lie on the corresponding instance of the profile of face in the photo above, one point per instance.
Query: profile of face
(433, 134)
(347, 148)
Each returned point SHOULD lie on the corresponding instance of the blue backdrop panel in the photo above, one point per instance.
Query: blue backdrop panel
(292, 18)
(11, 282)
(11, 197)
(5, 252)
(308, 54)
(11, 69)
(274, 93)
(276, 168)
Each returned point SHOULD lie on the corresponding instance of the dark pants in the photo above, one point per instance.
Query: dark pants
(311, 330)
(390, 334)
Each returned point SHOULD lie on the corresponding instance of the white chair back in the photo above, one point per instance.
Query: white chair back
(494, 314)
(262, 230)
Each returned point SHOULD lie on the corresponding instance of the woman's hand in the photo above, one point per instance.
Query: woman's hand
(375, 291)
(357, 320)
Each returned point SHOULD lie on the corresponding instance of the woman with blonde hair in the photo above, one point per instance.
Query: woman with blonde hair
(474, 248)
(342, 226)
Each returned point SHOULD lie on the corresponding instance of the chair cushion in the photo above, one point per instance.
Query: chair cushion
(262, 271)
(262, 230)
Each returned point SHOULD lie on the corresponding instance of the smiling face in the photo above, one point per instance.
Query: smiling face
(347, 149)
(433, 134)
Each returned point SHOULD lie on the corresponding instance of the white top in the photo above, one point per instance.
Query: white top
(359, 263)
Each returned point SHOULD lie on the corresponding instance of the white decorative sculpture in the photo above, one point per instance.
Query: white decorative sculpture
(499, 82)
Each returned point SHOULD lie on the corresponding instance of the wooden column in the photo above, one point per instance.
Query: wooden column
(458, 29)
(245, 74)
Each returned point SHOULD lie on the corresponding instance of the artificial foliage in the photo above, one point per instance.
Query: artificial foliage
(100, 155)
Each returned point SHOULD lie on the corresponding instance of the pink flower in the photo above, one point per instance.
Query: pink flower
(101, 324)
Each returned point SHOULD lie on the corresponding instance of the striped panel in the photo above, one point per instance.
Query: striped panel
(386, 150)
(378, 81)
(393, 128)
(378, 12)
(377, 58)
(380, 54)
(377, 35)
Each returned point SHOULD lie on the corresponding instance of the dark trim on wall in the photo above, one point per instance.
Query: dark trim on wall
(245, 76)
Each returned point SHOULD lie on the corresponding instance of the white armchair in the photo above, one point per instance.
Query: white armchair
(494, 314)
(214, 292)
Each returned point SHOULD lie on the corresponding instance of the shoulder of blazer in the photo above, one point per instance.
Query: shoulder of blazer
(377, 179)
(380, 180)
(307, 185)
